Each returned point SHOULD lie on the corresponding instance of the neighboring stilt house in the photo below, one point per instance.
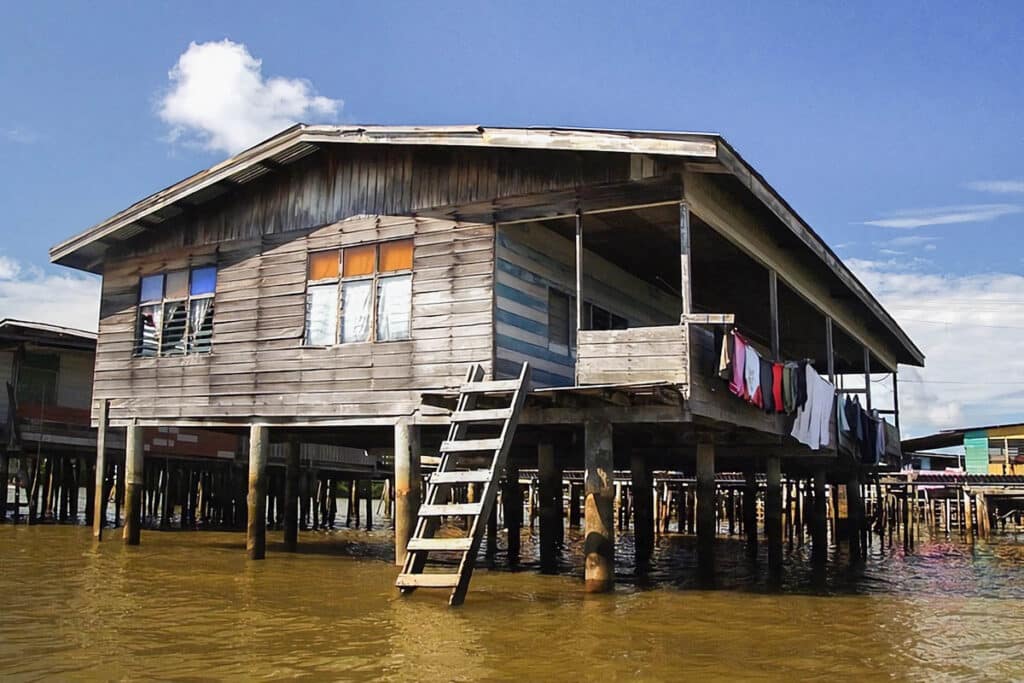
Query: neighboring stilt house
(334, 284)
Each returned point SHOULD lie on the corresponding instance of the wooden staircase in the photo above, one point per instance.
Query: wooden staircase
(474, 453)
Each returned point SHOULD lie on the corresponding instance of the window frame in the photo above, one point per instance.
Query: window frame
(188, 335)
(374, 279)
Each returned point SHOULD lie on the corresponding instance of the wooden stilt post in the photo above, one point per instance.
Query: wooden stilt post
(407, 485)
(773, 515)
(750, 509)
(599, 540)
(574, 505)
(291, 496)
(512, 504)
(550, 500)
(256, 527)
(368, 491)
(819, 523)
(706, 507)
(855, 515)
(99, 516)
(5, 477)
(133, 485)
(643, 514)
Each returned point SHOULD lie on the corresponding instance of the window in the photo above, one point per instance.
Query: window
(559, 332)
(597, 318)
(37, 378)
(176, 312)
(359, 294)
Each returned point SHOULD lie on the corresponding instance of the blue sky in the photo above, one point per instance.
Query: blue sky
(893, 128)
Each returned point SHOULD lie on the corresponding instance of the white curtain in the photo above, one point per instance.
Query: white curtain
(199, 338)
(355, 310)
(394, 302)
(322, 315)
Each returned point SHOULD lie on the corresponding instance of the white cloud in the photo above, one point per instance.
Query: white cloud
(968, 327)
(22, 136)
(29, 293)
(907, 241)
(998, 186)
(945, 215)
(220, 99)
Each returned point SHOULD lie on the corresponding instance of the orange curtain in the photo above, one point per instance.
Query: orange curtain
(359, 260)
(323, 265)
(396, 256)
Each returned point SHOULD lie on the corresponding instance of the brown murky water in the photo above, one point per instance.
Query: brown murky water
(188, 606)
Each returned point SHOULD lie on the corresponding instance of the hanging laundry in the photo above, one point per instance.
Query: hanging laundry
(752, 375)
(813, 418)
(738, 385)
(777, 387)
(801, 385)
(725, 359)
(767, 386)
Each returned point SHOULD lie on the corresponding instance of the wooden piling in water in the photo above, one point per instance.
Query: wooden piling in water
(550, 504)
(133, 485)
(291, 496)
(256, 526)
(643, 514)
(512, 512)
(819, 521)
(855, 516)
(574, 505)
(599, 539)
(706, 522)
(407, 485)
(773, 515)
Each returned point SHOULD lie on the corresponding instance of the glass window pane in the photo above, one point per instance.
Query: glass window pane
(177, 284)
(200, 325)
(152, 288)
(396, 256)
(394, 304)
(323, 265)
(172, 339)
(600, 319)
(149, 324)
(359, 260)
(321, 315)
(204, 280)
(355, 311)
(558, 318)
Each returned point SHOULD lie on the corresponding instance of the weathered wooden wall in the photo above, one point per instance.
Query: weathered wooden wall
(259, 367)
(74, 383)
(642, 354)
(531, 259)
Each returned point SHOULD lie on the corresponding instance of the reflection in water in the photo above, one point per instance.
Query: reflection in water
(189, 605)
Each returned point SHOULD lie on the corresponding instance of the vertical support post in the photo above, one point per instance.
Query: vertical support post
(579, 275)
(706, 508)
(599, 539)
(896, 400)
(550, 499)
(407, 485)
(773, 306)
(819, 528)
(685, 293)
(368, 484)
(4, 479)
(133, 485)
(256, 524)
(291, 496)
(773, 514)
(512, 504)
(830, 354)
(750, 509)
(574, 505)
(867, 378)
(99, 515)
(855, 515)
(643, 514)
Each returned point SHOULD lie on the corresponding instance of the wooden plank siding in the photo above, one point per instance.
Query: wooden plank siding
(642, 354)
(533, 259)
(259, 366)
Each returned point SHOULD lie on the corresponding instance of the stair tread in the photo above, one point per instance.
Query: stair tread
(470, 445)
(444, 509)
(503, 386)
(452, 543)
(491, 415)
(427, 580)
(460, 477)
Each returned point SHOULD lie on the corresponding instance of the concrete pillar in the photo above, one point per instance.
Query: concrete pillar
(773, 515)
(819, 519)
(291, 496)
(407, 485)
(643, 510)
(256, 523)
(599, 540)
(750, 509)
(133, 485)
(550, 499)
(706, 508)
